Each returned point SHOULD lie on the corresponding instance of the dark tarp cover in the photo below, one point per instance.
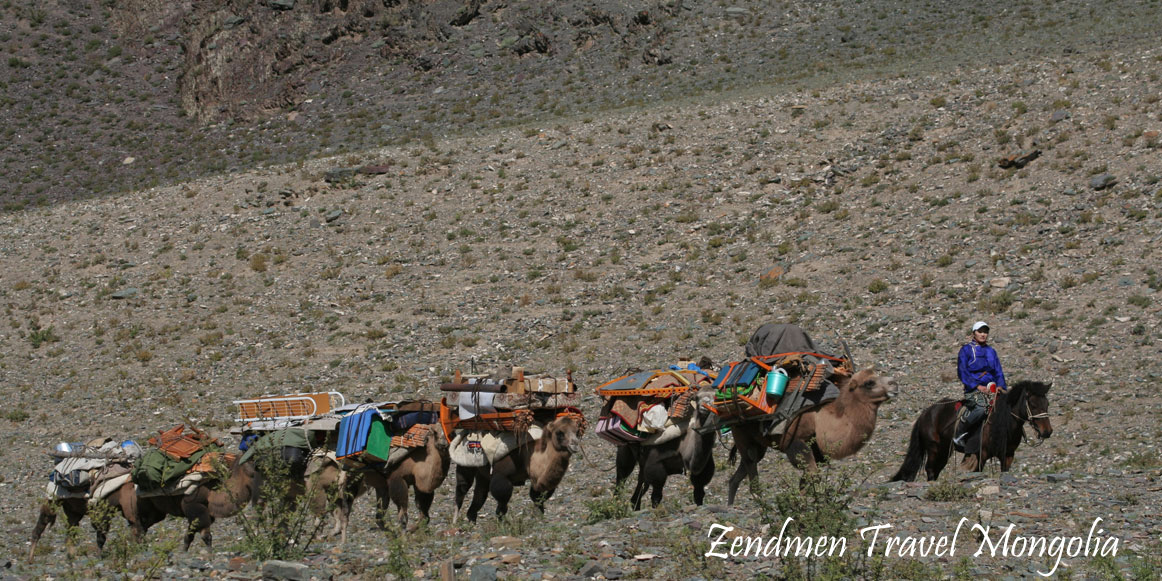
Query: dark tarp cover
(773, 338)
(156, 469)
(277, 440)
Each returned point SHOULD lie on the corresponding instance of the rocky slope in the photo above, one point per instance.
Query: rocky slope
(875, 209)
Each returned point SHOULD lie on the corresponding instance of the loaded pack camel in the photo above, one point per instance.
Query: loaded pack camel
(207, 502)
(423, 469)
(123, 500)
(542, 463)
(832, 430)
(692, 454)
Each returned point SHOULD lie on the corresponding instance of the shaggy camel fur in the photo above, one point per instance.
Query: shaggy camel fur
(692, 454)
(75, 509)
(201, 507)
(834, 430)
(424, 470)
(542, 463)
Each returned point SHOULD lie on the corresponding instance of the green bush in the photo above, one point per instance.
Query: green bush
(282, 524)
(609, 507)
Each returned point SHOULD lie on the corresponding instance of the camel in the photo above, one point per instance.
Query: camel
(202, 506)
(690, 454)
(833, 430)
(123, 499)
(423, 469)
(542, 463)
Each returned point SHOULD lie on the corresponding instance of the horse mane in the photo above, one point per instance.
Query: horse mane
(1002, 418)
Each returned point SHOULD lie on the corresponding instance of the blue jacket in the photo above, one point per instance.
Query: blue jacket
(979, 365)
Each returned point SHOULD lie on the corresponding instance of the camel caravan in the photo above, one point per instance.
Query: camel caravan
(507, 429)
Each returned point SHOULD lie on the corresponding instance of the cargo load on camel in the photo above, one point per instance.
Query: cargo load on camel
(784, 374)
(488, 416)
(177, 459)
(650, 407)
(91, 470)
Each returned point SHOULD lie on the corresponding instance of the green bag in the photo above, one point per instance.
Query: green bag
(378, 441)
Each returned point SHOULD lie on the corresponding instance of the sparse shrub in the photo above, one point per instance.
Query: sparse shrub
(283, 525)
(947, 491)
(39, 337)
(608, 506)
(877, 286)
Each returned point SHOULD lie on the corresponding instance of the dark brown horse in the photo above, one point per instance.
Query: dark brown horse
(1002, 432)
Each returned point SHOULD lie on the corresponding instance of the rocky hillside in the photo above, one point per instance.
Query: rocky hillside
(890, 212)
(225, 86)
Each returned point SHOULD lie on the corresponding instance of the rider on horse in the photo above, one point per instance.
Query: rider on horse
(980, 372)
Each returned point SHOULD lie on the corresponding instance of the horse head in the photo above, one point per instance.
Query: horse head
(1035, 408)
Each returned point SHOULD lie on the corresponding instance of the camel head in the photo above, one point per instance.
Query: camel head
(867, 386)
(438, 438)
(564, 434)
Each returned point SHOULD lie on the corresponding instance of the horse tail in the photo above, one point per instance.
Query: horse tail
(914, 459)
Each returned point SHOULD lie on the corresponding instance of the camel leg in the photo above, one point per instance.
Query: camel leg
(540, 497)
(479, 492)
(700, 481)
(397, 491)
(464, 481)
(424, 503)
(748, 468)
(44, 520)
(501, 490)
(639, 491)
(801, 456)
(200, 519)
(625, 464)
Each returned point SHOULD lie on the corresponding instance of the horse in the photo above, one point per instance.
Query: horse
(691, 454)
(834, 429)
(123, 499)
(1002, 431)
(542, 463)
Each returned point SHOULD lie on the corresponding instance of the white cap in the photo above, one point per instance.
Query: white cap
(977, 325)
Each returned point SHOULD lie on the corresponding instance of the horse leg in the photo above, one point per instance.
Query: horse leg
(937, 460)
(501, 490)
(44, 520)
(1006, 463)
(397, 490)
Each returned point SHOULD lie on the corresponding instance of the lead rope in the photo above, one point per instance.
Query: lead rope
(585, 459)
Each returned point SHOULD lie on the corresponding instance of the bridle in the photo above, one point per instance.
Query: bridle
(1029, 416)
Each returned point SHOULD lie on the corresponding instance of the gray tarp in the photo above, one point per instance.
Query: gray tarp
(773, 338)
(277, 440)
